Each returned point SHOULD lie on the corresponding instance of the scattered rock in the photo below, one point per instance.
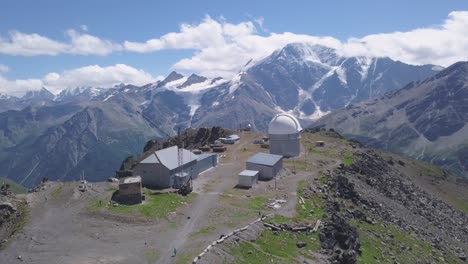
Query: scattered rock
(301, 244)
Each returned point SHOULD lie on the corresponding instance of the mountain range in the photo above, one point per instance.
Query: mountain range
(426, 119)
(89, 130)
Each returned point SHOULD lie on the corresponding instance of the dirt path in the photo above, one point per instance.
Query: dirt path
(219, 180)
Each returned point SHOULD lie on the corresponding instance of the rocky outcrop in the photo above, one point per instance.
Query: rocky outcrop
(380, 191)
(12, 215)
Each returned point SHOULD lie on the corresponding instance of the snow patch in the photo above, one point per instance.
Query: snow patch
(364, 65)
(107, 98)
(235, 82)
(341, 75)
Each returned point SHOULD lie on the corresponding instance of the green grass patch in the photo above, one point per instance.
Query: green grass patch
(56, 191)
(313, 204)
(298, 165)
(348, 159)
(461, 205)
(204, 231)
(156, 205)
(151, 255)
(184, 258)
(14, 187)
(280, 248)
(378, 241)
(257, 202)
(323, 180)
(22, 217)
(279, 219)
(315, 151)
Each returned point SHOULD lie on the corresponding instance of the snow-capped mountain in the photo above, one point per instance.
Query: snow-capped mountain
(84, 92)
(310, 80)
(92, 129)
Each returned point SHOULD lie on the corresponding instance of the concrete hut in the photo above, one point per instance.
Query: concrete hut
(284, 135)
(247, 178)
(130, 190)
(268, 165)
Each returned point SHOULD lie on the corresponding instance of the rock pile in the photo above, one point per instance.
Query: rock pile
(378, 188)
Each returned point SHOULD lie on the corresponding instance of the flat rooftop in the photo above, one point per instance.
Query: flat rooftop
(128, 180)
(265, 159)
(250, 173)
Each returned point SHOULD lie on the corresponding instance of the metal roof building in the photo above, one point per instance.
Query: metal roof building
(206, 161)
(160, 169)
(284, 133)
(268, 165)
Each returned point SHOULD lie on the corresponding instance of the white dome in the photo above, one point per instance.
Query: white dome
(284, 124)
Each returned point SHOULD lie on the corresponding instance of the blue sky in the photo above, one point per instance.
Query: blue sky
(42, 37)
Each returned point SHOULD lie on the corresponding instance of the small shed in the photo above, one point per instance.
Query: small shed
(319, 143)
(268, 165)
(247, 178)
(130, 190)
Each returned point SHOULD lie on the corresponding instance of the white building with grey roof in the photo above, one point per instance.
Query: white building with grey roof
(284, 135)
(268, 165)
(161, 169)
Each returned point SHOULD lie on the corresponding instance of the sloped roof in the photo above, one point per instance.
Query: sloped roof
(169, 157)
(265, 159)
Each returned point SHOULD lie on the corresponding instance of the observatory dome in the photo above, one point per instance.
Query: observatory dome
(284, 124)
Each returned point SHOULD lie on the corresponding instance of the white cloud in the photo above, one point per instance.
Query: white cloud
(84, 27)
(442, 45)
(222, 48)
(85, 44)
(22, 44)
(92, 75)
(209, 33)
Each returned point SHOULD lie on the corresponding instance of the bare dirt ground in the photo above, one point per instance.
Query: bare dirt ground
(62, 229)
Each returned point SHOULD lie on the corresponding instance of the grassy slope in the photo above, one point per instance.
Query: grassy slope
(14, 187)
(156, 205)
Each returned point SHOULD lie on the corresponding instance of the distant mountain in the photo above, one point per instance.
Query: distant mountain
(426, 120)
(90, 129)
(307, 80)
(31, 98)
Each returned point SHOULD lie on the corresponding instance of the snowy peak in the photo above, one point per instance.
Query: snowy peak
(88, 92)
(311, 80)
(192, 79)
(42, 94)
(308, 53)
(4, 96)
(173, 76)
